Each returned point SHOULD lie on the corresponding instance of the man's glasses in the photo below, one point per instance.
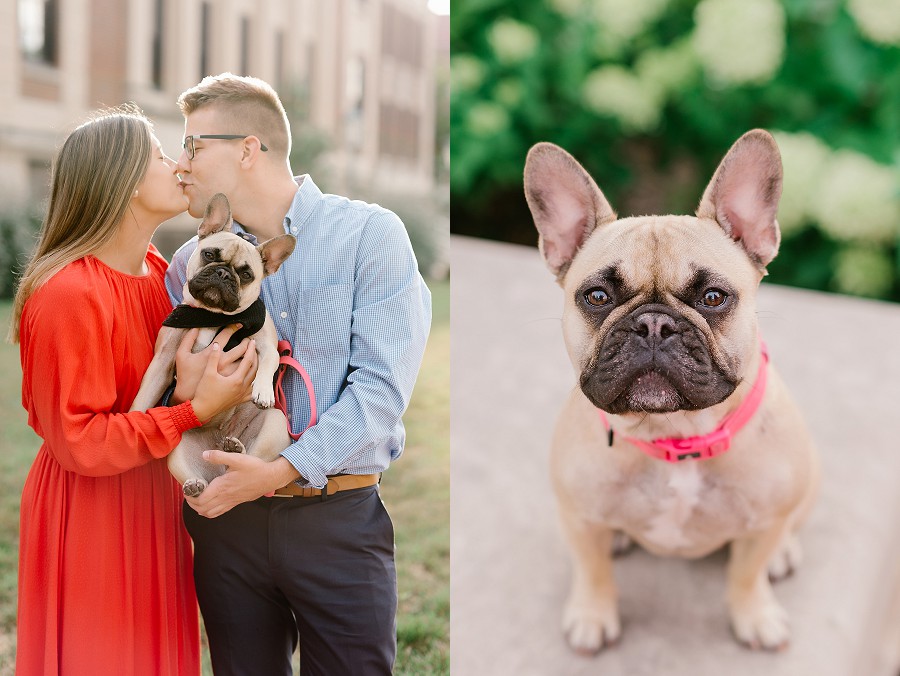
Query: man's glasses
(188, 144)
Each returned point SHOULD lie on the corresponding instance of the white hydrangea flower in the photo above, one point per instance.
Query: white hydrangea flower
(466, 72)
(803, 157)
(669, 69)
(857, 199)
(486, 119)
(614, 91)
(512, 41)
(509, 92)
(739, 41)
(568, 7)
(863, 271)
(879, 20)
(624, 19)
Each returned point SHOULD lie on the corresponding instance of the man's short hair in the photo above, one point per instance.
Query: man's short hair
(251, 105)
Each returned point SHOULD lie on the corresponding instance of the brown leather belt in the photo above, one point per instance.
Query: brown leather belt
(340, 482)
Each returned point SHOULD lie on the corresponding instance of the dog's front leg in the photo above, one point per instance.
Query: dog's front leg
(160, 371)
(590, 618)
(267, 351)
(757, 618)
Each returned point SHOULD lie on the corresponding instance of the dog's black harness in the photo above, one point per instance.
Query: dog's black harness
(188, 317)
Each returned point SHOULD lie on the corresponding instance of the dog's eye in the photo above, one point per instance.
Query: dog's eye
(209, 255)
(714, 298)
(246, 275)
(597, 297)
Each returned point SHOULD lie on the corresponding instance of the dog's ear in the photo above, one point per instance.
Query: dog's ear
(743, 195)
(217, 216)
(275, 251)
(565, 202)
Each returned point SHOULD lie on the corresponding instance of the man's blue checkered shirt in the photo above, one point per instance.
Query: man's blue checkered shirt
(356, 311)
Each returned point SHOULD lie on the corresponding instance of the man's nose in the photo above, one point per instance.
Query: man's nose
(183, 165)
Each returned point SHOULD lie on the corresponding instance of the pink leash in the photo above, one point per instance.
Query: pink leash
(287, 361)
(715, 443)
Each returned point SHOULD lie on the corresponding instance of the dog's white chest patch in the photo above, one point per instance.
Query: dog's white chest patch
(666, 530)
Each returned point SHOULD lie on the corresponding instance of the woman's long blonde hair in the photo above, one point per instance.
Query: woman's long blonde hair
(94, 176)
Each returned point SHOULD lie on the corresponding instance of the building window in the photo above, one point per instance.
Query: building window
(245, 45)
(401, 36)
(38, 30)
(399, 132)
(205, 21)
(158, 48)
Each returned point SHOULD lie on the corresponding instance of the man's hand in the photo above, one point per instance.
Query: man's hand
(247, 478)
(189, 367)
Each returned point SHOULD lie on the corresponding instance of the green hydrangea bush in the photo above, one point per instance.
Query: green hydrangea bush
(649, 95)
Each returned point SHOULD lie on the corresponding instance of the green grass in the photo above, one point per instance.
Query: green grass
(416, 491)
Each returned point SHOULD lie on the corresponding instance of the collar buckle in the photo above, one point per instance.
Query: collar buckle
(707, 446)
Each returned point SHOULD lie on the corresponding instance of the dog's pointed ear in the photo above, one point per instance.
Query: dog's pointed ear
(275, 251)
(565, 202)
(743, 195)
(217, 216)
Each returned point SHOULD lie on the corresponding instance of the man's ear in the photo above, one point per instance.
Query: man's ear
(565, 203)
(275, 251)
(743, 195)
(217, 216)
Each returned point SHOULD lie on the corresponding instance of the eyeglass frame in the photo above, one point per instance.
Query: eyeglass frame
(192, 151)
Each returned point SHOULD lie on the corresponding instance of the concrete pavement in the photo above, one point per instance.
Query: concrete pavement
(510, 571)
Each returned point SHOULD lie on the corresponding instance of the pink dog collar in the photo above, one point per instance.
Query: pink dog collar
(715, 443)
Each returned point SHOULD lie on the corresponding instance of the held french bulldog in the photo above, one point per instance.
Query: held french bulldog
(224, 277)
(679, 435)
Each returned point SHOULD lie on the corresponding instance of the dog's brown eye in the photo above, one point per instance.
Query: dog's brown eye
(209, 255)
(596, 297)
(714, 297)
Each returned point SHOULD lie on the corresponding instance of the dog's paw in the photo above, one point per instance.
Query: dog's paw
(263, 396)
(194, 487)
(761, 626)
(589, 629)
(621, 544)
(233, 445)
(786, 560)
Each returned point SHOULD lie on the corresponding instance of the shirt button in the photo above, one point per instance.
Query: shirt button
(294, 229)
(283, 315)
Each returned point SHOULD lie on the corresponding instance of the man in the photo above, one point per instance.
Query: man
(350, 300)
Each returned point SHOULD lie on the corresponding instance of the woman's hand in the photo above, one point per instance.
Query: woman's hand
(217, 392)
(190, 366)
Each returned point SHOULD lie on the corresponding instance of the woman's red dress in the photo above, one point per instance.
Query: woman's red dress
(105, 565)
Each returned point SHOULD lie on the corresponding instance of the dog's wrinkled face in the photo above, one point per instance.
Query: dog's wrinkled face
(659, 310)
(225, 272)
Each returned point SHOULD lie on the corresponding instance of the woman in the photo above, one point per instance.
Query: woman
(105, 583)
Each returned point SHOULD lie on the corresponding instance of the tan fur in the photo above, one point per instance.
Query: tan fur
(755, 495)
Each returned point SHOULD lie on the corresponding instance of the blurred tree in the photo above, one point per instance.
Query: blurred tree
(649, 95)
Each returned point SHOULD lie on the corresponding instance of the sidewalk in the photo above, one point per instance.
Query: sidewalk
(510, 570)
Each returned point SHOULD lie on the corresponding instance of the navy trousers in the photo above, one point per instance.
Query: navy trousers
(276, 571)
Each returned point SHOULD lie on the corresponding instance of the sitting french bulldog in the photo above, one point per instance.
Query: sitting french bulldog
(680, 435)
(224, 278)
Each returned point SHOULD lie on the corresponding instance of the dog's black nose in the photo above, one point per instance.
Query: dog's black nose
(223, 273)
(655, 327)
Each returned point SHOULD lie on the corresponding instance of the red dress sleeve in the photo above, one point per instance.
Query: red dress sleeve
(73, 389)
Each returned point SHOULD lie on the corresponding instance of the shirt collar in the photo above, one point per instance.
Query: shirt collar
(301, 209)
